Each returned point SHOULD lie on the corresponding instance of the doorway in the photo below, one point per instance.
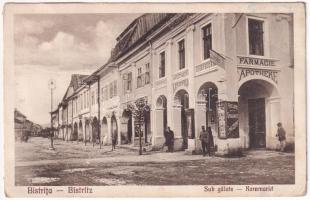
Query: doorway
(257, 125)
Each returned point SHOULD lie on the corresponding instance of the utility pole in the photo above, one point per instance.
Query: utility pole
(52, 86)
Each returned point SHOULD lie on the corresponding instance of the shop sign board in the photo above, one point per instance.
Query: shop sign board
(232, 120)
(178, 84)
(228, 119)
(270, 74)
(255, 61)
(221, 119)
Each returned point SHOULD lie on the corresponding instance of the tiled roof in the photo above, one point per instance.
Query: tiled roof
(77, 80)
(137, 31)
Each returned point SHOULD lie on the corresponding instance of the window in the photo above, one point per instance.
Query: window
(114, 88)
(127, 81)
(96, 96)
(84, 94)
(101, 96)
(181, 54)
(111, 90)
(81, 102)
(87, 98)
(147, 73)
(207, 41)
(92, 98)
(106, 93)
(162, 64)
(139, 78)
(256, 37)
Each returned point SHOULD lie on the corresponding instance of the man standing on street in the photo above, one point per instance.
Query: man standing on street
(170, 140)
(281, 136)
(204, 139)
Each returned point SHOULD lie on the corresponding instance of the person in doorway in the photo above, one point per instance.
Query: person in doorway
(204, 140)
(170, 140)
(281, 136)
(210, 141)
(114, 139)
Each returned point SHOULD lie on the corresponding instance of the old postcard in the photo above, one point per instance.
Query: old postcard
(154, 100)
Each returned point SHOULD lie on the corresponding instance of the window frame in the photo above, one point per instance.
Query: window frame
(160, 64)
(209, 22)
(184, 52)
(265, 36)
(147, 71)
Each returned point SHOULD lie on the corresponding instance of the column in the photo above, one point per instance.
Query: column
(189, 59)
(176, 126)
(200, 120)
(158, 133)
(118, 121)
(169, 82)
(272, 118)
(109, 131)
(133, 130)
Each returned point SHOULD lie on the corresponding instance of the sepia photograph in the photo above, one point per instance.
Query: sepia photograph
(154, 97)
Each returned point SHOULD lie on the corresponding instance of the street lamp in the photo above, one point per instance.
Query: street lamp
(52, 86)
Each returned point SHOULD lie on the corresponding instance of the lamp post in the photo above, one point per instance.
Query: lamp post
(52, 86)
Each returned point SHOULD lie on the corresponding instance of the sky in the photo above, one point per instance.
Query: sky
(54, 46)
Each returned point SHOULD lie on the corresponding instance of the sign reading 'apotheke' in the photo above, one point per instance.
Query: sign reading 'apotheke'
(256, 61)
(271, 74)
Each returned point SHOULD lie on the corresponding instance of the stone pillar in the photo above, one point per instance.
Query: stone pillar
(200, 120)
(118, 121)
(109, 131)
(158, 138)
(272, 118)
(124, 126)
(176, 126)
(189, 59)
(133, 130)
(170, 96)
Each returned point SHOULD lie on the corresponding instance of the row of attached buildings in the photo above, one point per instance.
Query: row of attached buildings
(23, 127)
(231, 72)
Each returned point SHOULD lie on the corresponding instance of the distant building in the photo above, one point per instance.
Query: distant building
(24, 128)
(19, 124)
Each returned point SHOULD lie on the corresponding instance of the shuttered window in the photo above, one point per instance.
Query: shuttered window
(207, 41)
(181, 46)
(256, 37)
(162, 64)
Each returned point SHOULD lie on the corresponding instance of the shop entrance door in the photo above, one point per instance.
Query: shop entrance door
(257, 123)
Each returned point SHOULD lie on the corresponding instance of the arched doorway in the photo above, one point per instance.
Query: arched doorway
(126, 127)
(87, 131)
(259, 112)
(104, 130)
(95, 131)
(75, 132)
(185, 121)
(80, 135)
(208, 97)
(161, 114)
(114, 128)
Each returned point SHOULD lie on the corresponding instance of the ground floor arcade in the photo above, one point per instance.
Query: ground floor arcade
(247, 121)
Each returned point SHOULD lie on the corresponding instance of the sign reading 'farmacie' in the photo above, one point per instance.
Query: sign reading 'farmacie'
(256, 61)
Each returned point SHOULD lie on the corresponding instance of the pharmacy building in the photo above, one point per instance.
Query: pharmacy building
(230, 72)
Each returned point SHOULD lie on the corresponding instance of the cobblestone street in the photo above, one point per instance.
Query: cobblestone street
(74, 163)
